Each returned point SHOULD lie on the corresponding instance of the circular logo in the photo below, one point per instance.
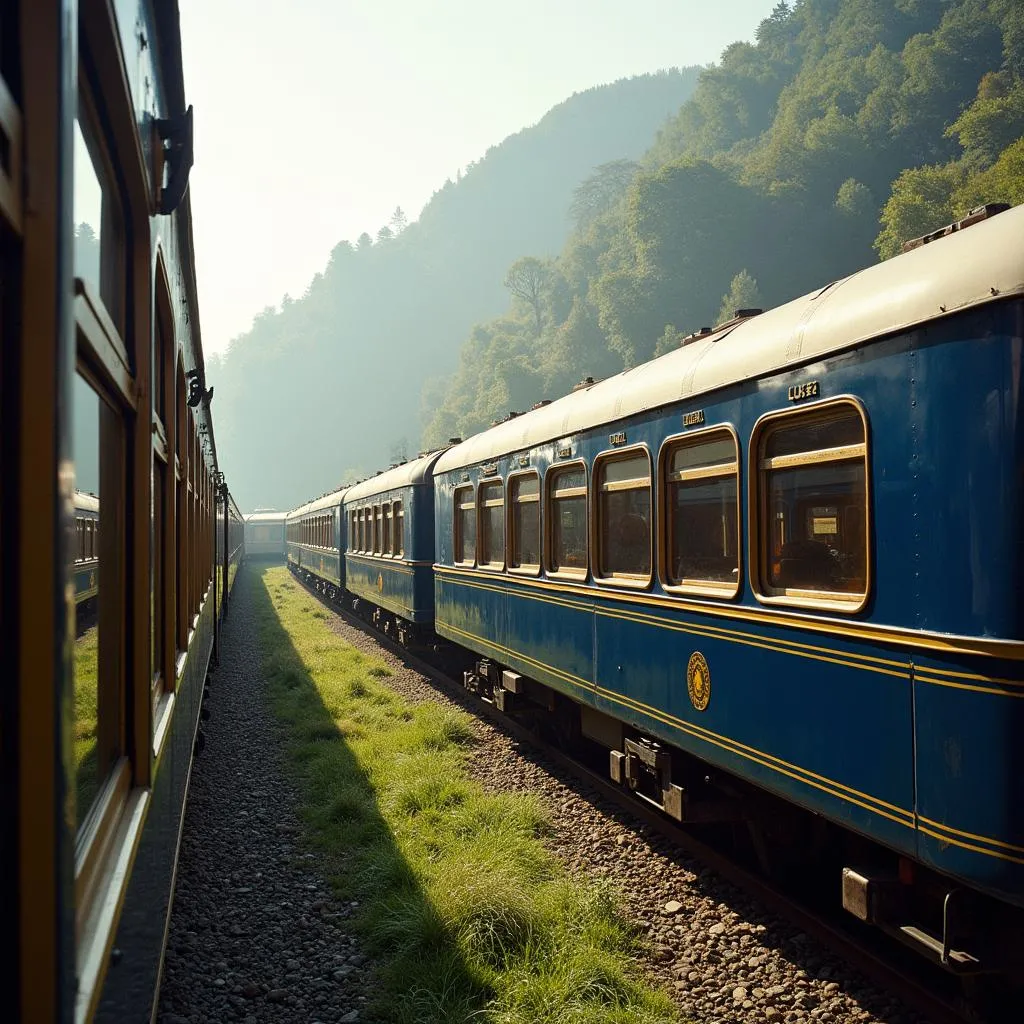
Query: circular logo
(698, 681)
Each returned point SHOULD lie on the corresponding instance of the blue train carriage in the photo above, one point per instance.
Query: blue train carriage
(264, 534)
(789, 551)
(390, 548)
(86, 547)
(313, 542)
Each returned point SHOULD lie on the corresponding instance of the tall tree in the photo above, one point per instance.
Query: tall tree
(597, 194)
(526, 279)
(399, 222)
(743, 294)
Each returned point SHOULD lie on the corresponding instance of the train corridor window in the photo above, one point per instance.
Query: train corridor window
(524, 532)
(465, 526)
(623, 529)
(377, 525)
(812, 507)
(702, 514)
(567, 520)
(353, 531)
(398, 527)
(492, 525)
(386, 543)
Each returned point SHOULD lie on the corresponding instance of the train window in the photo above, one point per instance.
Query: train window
(567, 520)
(99, 256)
(385, 548)
(811, 521)
(524, 532)
(623, 528)
(492, 524)
(701, 513)
(398, 527)
(353, 531)
(465, 526)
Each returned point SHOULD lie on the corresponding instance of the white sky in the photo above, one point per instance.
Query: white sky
(314, 119)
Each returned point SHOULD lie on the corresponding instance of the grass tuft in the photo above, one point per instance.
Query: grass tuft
(468, 915)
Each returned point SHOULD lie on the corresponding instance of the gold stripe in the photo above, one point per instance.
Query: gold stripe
(970, 835)
(1010, 650)
(763, 758)
(968, 686)
(971, 846)
(848, 451)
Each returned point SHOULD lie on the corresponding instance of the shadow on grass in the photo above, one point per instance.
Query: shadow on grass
(423, 975)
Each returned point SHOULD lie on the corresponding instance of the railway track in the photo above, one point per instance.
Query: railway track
(926, 990)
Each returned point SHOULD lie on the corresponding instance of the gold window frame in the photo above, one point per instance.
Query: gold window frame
(481, 503)
(398, 529)
(758, 519)
(525, 568)
(547, 516)
(459, 506)
(697, 587)
(630, 581)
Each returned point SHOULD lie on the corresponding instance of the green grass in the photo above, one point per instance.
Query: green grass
(468, 914)
(86, 662)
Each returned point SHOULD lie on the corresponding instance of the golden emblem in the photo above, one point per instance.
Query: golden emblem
(380, 582)
(698, 681)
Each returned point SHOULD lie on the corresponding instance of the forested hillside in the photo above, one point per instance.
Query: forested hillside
(848, 127)
(327, 387)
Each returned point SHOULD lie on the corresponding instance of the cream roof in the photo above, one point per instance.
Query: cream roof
(965, 269)
(328, 501)
(413, 472)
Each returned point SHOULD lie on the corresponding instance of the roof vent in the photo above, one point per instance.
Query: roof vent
(739, 317)
(455, 440)
(587, 382)
(702, 333)
(976, 216)
(540, 404)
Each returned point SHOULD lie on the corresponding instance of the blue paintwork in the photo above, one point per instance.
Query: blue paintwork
(829, 718)
(326, 563)
(405, 585)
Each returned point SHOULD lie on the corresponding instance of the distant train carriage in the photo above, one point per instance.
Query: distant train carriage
(788, 550)
(390, 553)
(86, 546)
(313, 542)
(264, 534)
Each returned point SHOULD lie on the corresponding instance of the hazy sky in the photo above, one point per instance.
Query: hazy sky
(314, 119)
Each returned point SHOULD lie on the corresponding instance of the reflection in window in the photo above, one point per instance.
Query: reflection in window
(492, 524)
(703, 533)
(99, 225)
(386, 545)
(567, 516)
(89, 771)
(813, 472)
(524, 493)
(624, 515)
(465, 526)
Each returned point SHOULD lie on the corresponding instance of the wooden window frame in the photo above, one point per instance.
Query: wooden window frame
(696, 587)
(527, 568)
(814, 600)
(481, 504)
(547, 517)
(375, 514)
(397, 528)
(630, 581)
(457, 508)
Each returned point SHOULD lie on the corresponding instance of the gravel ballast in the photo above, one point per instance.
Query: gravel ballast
(256, 934)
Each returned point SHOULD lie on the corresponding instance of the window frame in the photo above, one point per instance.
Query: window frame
(377, 525)
(827, 600)
(385, 518)
(490, 481)
(547, 518)
(397, 528)
(457, 508)
(527, 568)
(629, 581)
(697, 588)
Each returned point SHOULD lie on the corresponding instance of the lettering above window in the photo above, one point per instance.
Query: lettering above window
(798, 392)
(619, 438)
(693, 419)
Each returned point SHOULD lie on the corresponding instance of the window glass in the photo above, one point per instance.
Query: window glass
(524, 492)
(99, 224)
(702, 513)
(492, 524)
(567, 519)
(377, 529)
(386, 545)
(352, 534)
(624, 516)
(813, 475)
(399, 528)
(465, 526)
